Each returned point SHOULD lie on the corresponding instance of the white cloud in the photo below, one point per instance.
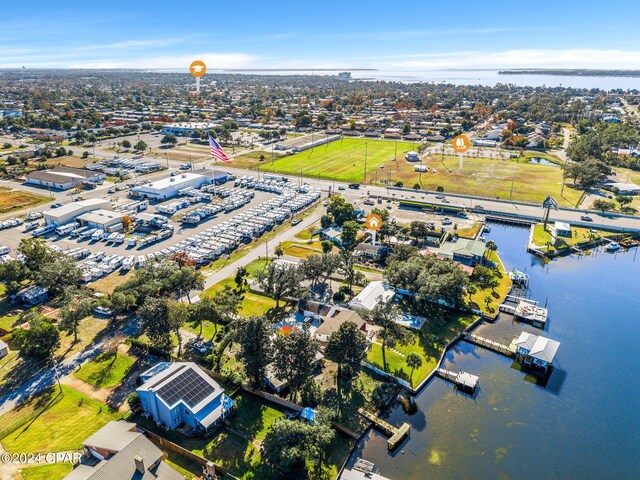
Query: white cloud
(213, 61)
(524, 58)
(150, 42)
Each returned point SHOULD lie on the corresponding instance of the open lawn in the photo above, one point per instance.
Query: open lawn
(105, 371)
(254, 417)
(440, 328)
(53, 421)
(498, 295)
(343, 160)
(54, 471)
(11, 199)
(542, 238)
(301, 250)
(469, 232)
(108, 283)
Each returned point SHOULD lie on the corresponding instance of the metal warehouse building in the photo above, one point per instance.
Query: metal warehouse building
(67, 213)
(103, 219)
(63, 178)
(169, 187)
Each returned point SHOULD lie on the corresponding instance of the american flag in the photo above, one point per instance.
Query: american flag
(217, 151)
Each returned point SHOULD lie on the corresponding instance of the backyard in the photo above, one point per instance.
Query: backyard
(543, 239)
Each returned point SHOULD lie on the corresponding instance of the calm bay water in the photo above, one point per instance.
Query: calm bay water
(491, 77)
(584, 424)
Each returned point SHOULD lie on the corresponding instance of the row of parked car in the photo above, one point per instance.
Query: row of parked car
(12, 222)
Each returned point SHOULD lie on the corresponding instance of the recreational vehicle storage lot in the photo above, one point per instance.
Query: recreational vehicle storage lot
(205, 223)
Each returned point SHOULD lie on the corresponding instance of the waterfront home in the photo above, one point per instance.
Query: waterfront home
(464, 250)
(181, 393)
(373, 294)
(331, 323)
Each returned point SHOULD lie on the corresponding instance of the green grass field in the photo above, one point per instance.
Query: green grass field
(343, 160)
(53, 422)
(542, 238)
(105, 372)
(55, 471)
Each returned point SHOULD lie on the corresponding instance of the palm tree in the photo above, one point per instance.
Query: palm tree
(413, 361)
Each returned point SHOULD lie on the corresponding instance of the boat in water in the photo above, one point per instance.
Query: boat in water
(486, 228)
(612, 247)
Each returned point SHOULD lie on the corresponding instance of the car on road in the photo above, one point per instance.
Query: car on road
(341, 187)
(446, 221)
(478, 207)
(295, 221)
(56, 205)
(586, 218)
(173, 174)
(440, 197)
(111, 190)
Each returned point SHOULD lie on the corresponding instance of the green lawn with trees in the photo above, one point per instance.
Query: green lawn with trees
(106, 370)
(52, 421)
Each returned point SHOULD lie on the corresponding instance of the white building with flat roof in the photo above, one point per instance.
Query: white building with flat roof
(67, 213)
(170, 186)
(105, 220)
(180, 128)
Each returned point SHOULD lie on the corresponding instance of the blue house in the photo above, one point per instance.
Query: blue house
(180, 393)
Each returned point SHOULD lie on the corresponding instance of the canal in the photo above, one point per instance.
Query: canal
(585, 423)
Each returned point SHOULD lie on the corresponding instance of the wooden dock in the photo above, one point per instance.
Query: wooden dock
(462, 380)
(502, 349)
(396, 435)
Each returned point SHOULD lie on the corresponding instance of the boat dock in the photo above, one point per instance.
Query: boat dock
(502, 349)
(462, 380)
(396, 435)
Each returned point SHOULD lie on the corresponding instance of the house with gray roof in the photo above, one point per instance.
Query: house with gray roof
(119, 452)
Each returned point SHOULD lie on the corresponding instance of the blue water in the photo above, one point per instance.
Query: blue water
(584, 424)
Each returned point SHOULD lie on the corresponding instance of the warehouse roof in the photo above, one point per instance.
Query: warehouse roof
(75, 206)
(100, 216)
(61, 174)
(170, 182)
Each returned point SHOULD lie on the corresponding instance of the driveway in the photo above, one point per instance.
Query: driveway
(48, 377)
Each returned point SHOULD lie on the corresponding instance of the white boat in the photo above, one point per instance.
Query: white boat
(612, 247)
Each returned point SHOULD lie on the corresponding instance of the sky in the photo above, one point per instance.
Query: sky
(393, 36)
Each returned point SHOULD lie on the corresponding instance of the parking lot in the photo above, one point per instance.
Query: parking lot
(205, 224)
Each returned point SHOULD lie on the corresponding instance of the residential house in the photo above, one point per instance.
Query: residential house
(333, 234)
(562, 229)
(371, 252)
(331, 323)
(119, 452)
(466, 251)
(4, 349)
(33, 295)
(372, 295)
(181, 393)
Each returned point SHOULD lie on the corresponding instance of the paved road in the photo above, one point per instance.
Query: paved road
(231, 268)
(47, 377)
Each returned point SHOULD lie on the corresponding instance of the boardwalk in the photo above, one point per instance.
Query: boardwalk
(502, 349)
(396, 435)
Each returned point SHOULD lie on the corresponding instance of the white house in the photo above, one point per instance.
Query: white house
(373, 294)
(4, 349)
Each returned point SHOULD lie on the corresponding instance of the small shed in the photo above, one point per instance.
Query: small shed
(4, 349)
(309, 414)
(467, 382)
(563, 229)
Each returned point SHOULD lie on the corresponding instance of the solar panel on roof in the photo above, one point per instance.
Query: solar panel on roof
(188, 386)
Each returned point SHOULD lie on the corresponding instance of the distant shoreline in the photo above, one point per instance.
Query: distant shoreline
(569, 72)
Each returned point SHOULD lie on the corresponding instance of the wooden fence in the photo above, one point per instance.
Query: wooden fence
(179, 450)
